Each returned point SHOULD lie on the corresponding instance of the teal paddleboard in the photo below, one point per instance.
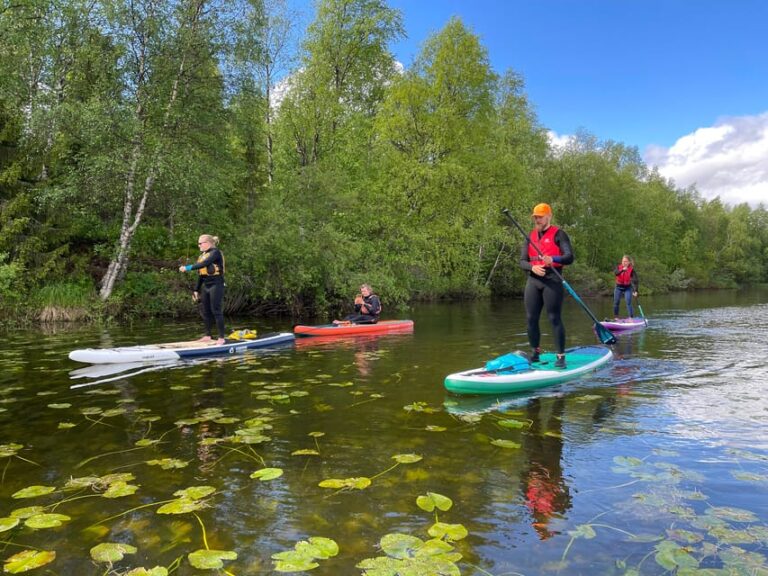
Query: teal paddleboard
(579, 360)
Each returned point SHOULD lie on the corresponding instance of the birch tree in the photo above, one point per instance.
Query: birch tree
(154, 75)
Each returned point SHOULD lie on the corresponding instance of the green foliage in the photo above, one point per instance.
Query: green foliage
(65, 294)
(154, 126)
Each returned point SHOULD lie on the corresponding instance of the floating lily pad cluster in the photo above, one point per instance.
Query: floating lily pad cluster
(407, 554)
(305, 554)
(700, 536)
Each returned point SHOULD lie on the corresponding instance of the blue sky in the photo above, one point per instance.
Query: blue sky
(685, 81)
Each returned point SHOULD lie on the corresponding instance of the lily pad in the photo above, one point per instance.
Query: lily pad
(505, 443)
(168, 463)
(304, 554)
(146, 442)
(433, 500)
(671, 556)
(295, 564)
(732, 514)
(40, 521)
(195, 492)
(120, 489)
(28, 560)
(583, 531)
(33, 491)
(27, 512)
(400, 545)
(156, 571)
(81, 482)
(108, 479)
(512, 424)
(111, 552)
(267, 474)
(358, 483)
(305, 452)
(181, 506)
(210, 559)
(448, 531)
(407, 458)
(8, 523)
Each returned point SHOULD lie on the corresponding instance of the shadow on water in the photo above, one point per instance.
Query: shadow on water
(656, 464)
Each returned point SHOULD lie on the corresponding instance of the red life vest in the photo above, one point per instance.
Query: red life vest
(547, 246)
(624, 278)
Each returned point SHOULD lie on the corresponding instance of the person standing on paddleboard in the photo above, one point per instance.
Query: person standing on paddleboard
(627, 285)
(210, 285)
(544, 289)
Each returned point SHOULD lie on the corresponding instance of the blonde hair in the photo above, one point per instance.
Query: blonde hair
(208, 238)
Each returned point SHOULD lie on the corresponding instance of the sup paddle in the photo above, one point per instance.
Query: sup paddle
(602, 332)
(642, 314)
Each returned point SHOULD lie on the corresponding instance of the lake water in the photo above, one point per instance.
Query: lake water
(656, 464)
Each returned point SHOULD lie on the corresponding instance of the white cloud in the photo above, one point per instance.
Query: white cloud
(729, 160)
(557, 142)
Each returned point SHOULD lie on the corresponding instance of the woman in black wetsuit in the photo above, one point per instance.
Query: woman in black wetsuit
(543, 288)
(367, 308)
(210, 285)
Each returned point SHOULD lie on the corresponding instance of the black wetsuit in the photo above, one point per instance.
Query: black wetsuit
(373, 304)
(210, 286)
(546, 292)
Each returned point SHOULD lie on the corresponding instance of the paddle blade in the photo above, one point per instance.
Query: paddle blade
(604, 334)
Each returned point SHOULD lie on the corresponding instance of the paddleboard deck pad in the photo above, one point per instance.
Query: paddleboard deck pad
(579, 361)
(175, 350)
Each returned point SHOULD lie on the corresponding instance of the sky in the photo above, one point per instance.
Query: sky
(684, 81)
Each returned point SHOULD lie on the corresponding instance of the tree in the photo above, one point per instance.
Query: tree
(166, 45)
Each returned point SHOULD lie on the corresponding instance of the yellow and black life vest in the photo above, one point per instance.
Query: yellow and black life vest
(212, 269)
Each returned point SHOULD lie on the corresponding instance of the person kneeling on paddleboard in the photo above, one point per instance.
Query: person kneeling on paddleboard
(544, 289)
(367, 307)
(210, 285)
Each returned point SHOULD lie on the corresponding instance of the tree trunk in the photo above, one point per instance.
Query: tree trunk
(131, 220)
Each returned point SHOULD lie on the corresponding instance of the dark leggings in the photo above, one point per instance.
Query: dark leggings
(544, 293)
(617, 294)
(213, 295)
(362, 318)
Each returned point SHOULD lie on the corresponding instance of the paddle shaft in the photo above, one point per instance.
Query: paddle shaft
(642, 314)
(605, 336)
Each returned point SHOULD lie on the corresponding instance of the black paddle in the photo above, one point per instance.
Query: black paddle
(602, 332)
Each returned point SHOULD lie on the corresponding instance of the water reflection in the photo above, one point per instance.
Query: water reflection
(546, 492)
(667, 443)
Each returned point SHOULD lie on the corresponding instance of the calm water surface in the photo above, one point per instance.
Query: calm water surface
(657, 464)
